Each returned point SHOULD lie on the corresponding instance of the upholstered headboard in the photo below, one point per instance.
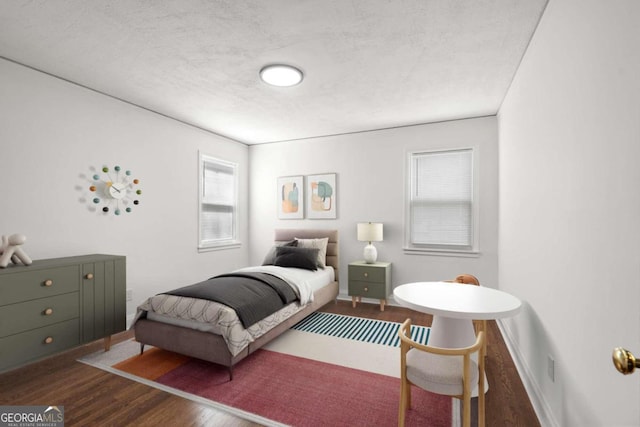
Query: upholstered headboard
(286, 234)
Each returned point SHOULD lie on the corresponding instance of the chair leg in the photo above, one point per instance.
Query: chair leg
(466, 406)
(481, 387)
(405, 400)
(402, 409)
(481, 413)
(484, 344)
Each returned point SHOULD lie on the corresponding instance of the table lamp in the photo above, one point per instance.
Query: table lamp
(370, 232)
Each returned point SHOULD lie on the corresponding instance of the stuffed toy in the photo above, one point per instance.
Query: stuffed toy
(10, 250)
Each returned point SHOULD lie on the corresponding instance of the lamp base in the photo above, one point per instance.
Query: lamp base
(370, 254)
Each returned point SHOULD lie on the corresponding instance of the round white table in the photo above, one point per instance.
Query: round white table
(454, 307)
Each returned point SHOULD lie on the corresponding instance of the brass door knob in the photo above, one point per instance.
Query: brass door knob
(89, 276)
(624, 361)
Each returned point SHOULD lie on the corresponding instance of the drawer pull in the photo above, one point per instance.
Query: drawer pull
(366, 289)
(366, 274)
(48, 312)
(49, 282)
(49, 340)
(89, 276)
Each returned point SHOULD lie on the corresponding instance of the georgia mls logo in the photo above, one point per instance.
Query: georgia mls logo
(53, 408)
(31, 416)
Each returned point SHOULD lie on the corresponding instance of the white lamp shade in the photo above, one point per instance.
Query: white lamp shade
(370, 231)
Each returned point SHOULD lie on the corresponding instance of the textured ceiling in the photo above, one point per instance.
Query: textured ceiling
(368, 64)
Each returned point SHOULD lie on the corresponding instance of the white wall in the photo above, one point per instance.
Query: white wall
(370, 170)
(570, 209)
(52, 133)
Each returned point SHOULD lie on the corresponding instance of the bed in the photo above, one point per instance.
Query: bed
(214, 341)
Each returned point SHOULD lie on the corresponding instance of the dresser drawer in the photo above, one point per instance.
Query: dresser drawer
(28, 346)
(37, 313)
(367, 289)
(367, 274)
(24, 285)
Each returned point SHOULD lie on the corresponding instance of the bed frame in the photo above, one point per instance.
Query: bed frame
(212, 347)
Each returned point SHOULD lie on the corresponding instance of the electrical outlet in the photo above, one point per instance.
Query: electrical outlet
(129, 294)
(551, 368)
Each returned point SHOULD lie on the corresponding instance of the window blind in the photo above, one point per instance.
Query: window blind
(441, 201)
(218, 202)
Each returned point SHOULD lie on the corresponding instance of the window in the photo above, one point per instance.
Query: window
(218, 203)
(441, 209)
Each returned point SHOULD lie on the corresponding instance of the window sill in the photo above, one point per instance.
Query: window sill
(442, 252)
(220, 247)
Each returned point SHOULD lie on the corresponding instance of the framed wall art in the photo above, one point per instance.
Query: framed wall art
(290, 197)
(321, 196)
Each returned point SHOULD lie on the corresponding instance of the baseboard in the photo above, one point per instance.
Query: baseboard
(130, 318)
(390, 301)
(540, 404)
(345, 297)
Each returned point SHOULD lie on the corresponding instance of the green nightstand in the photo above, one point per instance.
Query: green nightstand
(370, 281)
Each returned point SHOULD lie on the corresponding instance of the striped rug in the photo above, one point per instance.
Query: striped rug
(359, 329)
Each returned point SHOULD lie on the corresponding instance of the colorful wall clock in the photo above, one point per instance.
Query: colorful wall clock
(116, 190)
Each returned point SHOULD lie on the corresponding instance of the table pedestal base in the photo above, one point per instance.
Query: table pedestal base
(447, 332)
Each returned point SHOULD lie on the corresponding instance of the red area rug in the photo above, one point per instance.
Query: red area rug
(293, 390)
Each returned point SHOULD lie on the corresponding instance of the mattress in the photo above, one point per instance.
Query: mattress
(210, 316)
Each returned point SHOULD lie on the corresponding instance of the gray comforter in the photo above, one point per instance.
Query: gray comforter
(253, 296)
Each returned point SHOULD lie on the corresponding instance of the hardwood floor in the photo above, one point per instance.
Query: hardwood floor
(91, 396)
(506, 402)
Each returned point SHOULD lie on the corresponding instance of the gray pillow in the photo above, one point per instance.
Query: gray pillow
(288, 256)
(271, 255)
(320, 244)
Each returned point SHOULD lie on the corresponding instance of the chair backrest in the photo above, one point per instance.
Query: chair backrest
(467, 279)
(407, 343)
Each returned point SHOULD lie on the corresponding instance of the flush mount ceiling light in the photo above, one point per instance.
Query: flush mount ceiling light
(281, 75)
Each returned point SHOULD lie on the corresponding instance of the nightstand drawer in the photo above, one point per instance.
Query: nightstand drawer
(365, 273)
(23, 285)
(28, 346)
(367, 289)
(37, 313)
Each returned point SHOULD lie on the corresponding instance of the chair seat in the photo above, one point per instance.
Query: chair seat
(438, 373)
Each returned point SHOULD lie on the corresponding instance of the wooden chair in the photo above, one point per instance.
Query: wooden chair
(467, 279)
(448, 371)
(480, 325)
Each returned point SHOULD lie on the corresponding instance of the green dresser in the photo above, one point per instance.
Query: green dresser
(369, 281)
(55, 304)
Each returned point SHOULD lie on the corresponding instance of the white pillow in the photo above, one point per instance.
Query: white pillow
(320, 244)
